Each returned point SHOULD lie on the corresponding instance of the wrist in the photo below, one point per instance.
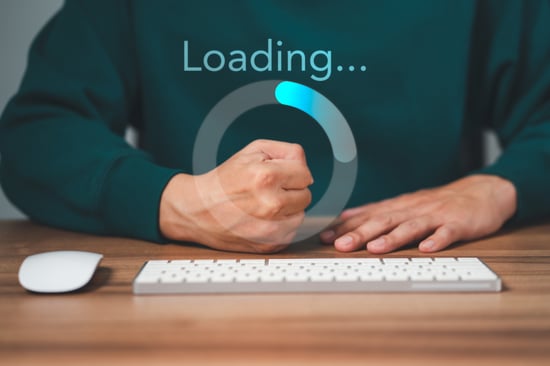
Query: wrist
(179, 204)
(505, 196)
(502, 193)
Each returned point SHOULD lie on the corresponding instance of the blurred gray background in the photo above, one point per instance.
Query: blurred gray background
(20, 20)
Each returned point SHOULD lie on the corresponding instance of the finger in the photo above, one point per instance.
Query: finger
(328, 236)
(350, 212)
(342, 227)
(374, 225)
(407, 232)
(405, 201)
(275, 231)
(370, 229)
(293, 224)
(281, 204)
(287, 229)
(294, 201)
(444, 236)
(273, 174)
(359, 210)
(294, 174)
(277, 149)
(356, 221)
(328, 233)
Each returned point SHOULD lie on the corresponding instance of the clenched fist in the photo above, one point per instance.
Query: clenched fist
(253, 202)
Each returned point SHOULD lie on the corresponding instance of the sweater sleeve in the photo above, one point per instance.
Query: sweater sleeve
(512, 95)
(64, 161)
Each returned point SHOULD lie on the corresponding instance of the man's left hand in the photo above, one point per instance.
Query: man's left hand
(469, 208)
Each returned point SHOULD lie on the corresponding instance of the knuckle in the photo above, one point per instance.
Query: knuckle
(383, 220)
(254, 145)
(348, 227)
(307, 176)
(448, 231)
(258, 142)
(264, 177)
(298, 151)
(299, 218)
(271, 206)
(411, 225)
(357, 236)
(308, 197)
(390, 240)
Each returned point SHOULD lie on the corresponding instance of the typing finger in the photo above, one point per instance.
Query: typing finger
(402, 202)
(406, 233)
(444, 236)
(372, 228)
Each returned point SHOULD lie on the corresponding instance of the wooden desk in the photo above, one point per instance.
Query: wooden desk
(106, 324)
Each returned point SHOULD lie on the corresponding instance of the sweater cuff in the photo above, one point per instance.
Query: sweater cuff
(131, 198)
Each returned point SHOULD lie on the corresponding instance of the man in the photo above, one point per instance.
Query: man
(415, 81)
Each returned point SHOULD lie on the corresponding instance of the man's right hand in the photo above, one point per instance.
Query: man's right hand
(253, 202)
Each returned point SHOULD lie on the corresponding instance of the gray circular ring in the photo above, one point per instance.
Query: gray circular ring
(261, 93)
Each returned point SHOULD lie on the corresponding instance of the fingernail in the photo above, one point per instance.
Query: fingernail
(328, 235)
(344, 241)
(427, 245)
(377, 243)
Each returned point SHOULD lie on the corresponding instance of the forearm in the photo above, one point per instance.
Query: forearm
(64, 158)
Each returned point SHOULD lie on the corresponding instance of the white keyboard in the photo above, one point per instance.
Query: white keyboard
(315, 275)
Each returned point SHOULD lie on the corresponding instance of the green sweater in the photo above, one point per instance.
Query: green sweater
(427, 76)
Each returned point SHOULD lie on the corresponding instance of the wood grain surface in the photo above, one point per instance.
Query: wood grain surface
(105, 324)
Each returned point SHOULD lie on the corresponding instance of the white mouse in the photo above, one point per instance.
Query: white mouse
(59, 271)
